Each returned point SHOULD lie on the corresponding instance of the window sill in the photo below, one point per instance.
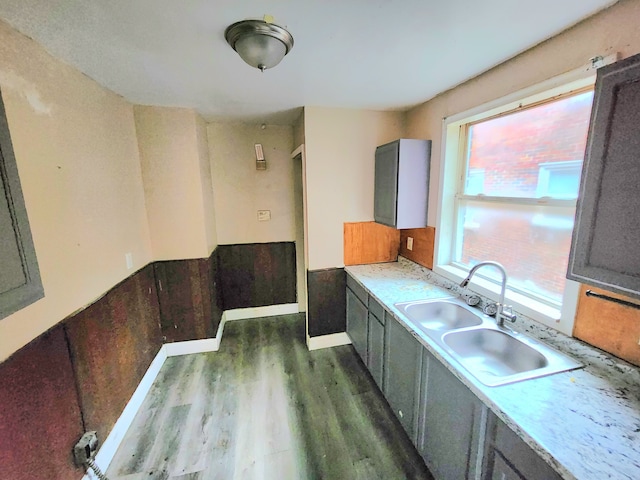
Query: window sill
(529, 307)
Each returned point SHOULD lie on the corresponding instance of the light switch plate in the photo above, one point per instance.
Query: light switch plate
(264, 215)
(128, 258)
(409, 243)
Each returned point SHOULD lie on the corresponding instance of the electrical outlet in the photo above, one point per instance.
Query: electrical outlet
(128, 258)
(264, 215)
(86, 448)
(409, 243)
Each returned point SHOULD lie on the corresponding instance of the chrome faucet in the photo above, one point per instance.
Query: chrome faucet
(504, 312)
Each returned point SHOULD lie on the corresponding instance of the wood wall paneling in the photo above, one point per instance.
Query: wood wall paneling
(423, 245)
(370, 242)
(40, 419)
(112, 343)
(257, 274)
(87, 367)
(184, 293)
(327, 301)
(609, 326)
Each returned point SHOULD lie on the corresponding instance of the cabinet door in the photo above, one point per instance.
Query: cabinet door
(502, 471)
(376, 349)
(357, 324)
(505, 447)
(386, 184)
(450, 420)
(605, 238)
(20, 283)
(402, 372)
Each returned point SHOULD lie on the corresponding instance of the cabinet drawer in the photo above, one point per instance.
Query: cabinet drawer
(376, 309)
(356, 288)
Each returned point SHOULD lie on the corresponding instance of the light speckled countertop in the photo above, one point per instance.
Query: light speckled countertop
(585, 423)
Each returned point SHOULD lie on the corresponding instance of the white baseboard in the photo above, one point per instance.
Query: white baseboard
(257, 312)
(327, 341)
(192, 346)
(110, 445)
(113, 440)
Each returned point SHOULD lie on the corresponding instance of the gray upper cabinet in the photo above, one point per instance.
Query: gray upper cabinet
(450, 420)
(402, 183)
(402, 372)
(20, 283)
(604, 249)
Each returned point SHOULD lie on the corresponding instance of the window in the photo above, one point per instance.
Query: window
(511, 180)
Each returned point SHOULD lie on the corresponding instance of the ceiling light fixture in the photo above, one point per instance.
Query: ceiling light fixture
(260, 44)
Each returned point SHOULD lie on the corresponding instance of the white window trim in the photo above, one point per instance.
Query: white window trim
(452, 169)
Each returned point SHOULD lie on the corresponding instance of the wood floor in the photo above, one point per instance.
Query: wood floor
(263, 407)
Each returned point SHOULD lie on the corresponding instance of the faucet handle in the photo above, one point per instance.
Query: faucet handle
(490, 309)
(507, 313)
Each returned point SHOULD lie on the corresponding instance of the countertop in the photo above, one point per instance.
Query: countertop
(585, 423)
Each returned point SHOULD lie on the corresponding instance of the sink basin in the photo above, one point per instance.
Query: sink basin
(496, 357)
(493, 352)
(439, 315)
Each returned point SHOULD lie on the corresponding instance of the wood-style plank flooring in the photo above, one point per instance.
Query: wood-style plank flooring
(264, 407)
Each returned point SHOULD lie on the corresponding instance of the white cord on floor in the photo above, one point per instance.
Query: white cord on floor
(91, 464)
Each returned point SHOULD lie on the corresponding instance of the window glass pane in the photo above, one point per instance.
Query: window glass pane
(535, 152)
(532, 242)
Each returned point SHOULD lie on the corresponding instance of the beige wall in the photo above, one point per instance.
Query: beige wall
(240, 190)
(340, 148)
(77, 157)
(174, 178)
(613, 30)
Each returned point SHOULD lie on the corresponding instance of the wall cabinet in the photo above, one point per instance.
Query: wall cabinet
(20, 283)
(402, 374)
(402, 183)
(449, 423)
(508, 457)
(604, 248)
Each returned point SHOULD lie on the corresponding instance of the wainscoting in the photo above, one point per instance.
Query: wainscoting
(257, 274)
(190, 306)
(327, 301)
(81, 374)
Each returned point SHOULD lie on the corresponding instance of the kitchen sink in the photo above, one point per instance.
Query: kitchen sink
(439, 315)
(493, 355)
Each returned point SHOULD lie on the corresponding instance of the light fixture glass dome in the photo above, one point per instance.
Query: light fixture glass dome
(260, 44)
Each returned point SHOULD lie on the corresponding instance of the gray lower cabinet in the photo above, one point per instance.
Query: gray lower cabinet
(508, 457)
(442, 417)
(450, 418)
(357, 324)
(375, 357)
(402, 373)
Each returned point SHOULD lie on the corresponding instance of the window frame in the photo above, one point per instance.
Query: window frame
(452, 179)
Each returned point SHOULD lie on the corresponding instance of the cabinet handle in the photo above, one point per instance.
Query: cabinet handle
(590, 293)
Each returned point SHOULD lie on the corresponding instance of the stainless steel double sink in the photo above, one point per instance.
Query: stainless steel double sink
(493, 355)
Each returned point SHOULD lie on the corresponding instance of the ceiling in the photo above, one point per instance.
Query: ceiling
(369, 54)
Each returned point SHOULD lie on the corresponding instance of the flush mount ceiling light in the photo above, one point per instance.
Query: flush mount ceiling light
(261, 44)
